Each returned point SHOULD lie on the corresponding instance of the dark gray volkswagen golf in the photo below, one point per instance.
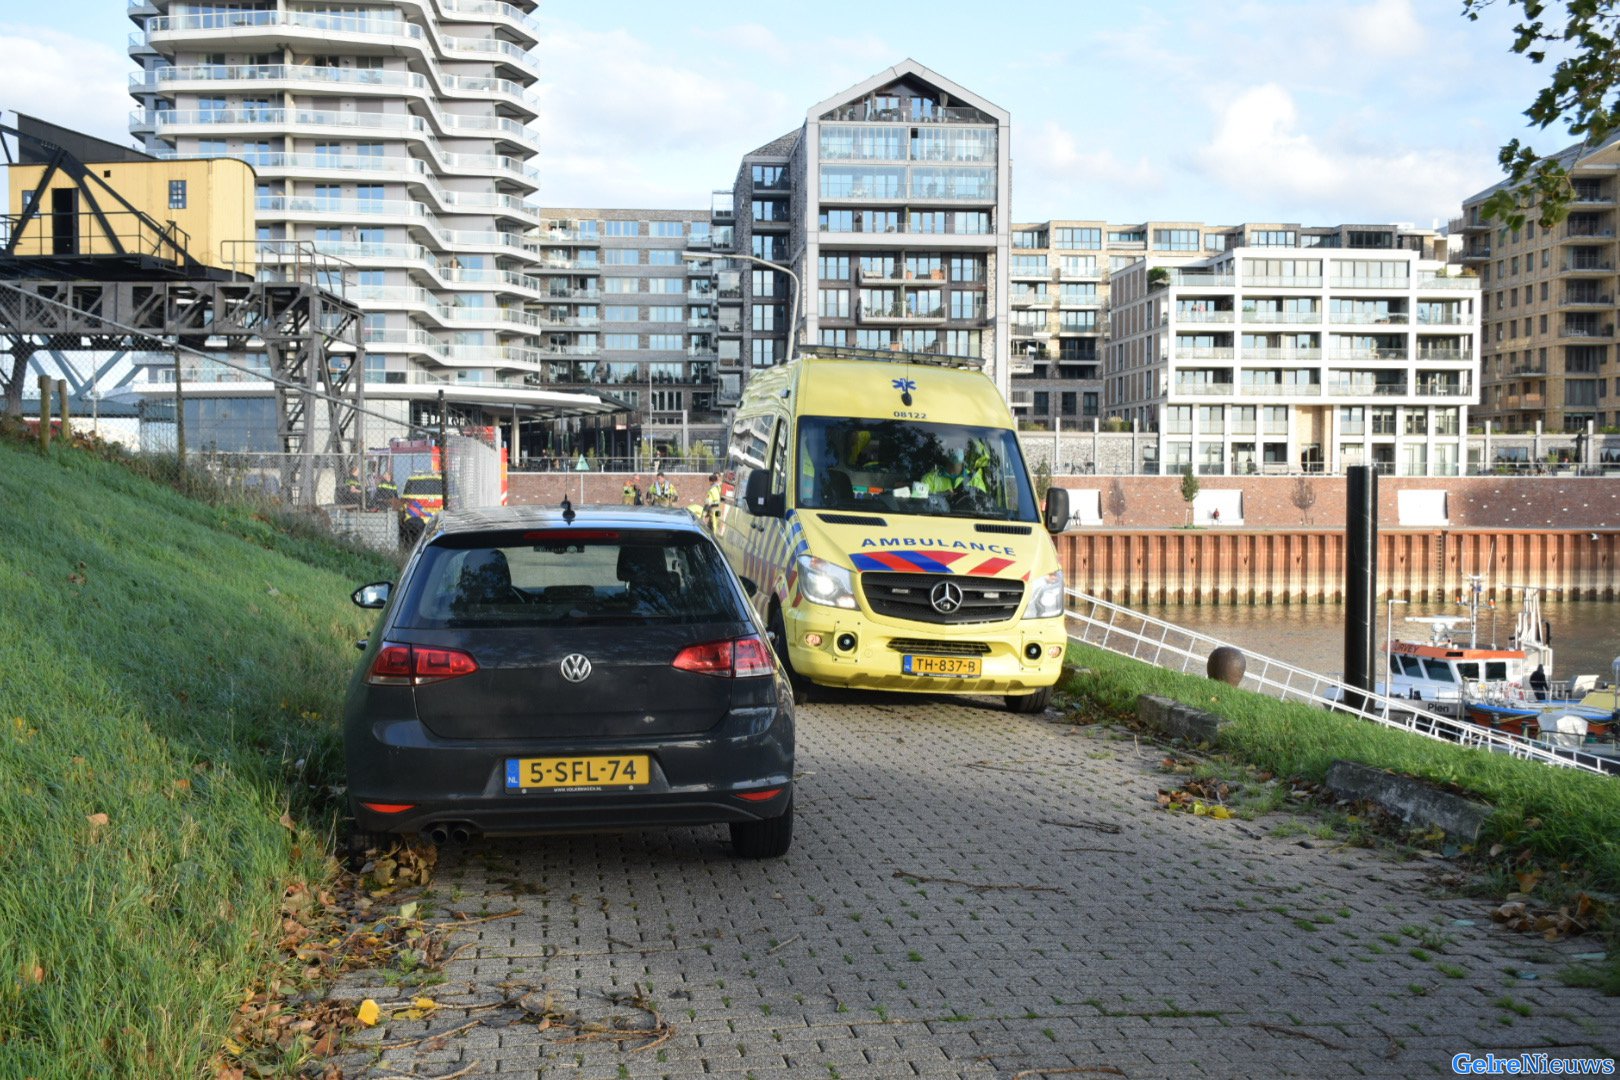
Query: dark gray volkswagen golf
(546, 670)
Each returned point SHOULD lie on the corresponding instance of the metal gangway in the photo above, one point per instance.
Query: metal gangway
(1121, 630)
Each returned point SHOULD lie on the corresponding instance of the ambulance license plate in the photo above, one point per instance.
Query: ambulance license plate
(949, 667)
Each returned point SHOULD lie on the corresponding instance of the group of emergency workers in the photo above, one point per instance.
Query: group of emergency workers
(663, 493)
(660, 493)
(964, 468)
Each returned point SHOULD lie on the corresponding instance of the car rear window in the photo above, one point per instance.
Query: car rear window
(425, 485)
(555, 577)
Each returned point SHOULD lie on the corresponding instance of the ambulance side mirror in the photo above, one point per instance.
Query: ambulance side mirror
(1057, 509)
(757, 496)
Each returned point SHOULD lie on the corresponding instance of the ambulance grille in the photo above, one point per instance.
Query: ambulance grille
(906, 596)
(929, 647)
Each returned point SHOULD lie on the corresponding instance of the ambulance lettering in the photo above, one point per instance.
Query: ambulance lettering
(923, 542)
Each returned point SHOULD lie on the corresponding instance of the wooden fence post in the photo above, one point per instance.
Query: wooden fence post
(67, 416)
(44, 413)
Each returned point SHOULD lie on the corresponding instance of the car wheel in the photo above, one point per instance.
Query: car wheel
(768, 839)
(1030, 703)
(803, 688)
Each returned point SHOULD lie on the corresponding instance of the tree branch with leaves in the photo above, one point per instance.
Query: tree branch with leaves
(1584, 93)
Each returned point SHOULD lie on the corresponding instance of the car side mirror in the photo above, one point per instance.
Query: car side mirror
(1057, 509)
(750, 586)
(374, 595)
(757, 496)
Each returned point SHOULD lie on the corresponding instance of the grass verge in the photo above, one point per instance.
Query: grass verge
(174, 670)
(1557, 820)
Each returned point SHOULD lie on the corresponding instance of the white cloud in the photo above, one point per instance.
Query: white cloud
(621, 125)
(1382, 30)
(753, 39)
(72, 81)
(1261, 155)
(1055, 174)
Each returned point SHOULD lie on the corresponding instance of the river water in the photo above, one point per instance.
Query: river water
(1585, 634)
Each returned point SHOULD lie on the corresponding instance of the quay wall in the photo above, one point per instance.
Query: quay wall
(1306, 566)
(1285, 542)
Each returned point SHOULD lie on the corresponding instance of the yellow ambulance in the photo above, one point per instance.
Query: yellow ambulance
(880, 514)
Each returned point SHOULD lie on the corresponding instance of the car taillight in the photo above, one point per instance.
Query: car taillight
(417, 665)
(751, 656)
(739, 659)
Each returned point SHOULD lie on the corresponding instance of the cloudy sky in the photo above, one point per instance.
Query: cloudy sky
(1267, 110)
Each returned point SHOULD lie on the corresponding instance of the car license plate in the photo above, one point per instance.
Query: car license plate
(951, 667)
(545, 773)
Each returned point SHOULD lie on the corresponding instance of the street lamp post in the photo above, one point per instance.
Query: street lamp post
(1389, 645)
(793, 310)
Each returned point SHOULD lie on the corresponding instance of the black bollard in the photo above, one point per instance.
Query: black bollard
(1227, 665)
(1360, 578)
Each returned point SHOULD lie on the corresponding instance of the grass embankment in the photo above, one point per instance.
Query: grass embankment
(1564, 818)
(173, 674)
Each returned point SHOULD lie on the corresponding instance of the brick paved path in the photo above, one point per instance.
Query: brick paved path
(932, 920)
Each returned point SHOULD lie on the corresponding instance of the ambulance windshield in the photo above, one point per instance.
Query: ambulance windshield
(911, 467)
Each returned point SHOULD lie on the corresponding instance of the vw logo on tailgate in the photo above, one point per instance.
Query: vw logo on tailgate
(946, 597)
(576, 667)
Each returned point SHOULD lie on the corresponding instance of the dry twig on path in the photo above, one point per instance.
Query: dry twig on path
(1101, 826)
(978, 886)
(1281, 1030)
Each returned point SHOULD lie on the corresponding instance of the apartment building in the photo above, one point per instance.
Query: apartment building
(1550, 308)
(391, 134)
(1059, 306)
(890, 207)
(1299, 349)
(623, 311)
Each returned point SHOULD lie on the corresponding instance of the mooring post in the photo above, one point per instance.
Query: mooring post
(1360, 577)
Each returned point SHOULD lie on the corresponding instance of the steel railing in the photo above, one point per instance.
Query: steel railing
(1121, 630)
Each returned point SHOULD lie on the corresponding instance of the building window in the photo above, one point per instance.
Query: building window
(833, 267)
(667, 228)
(833, 303)
(177, 194)
(971, 222)
(1079, 239)
(1028, 238)
(1175, 239)
(837, 221)
(621, 228)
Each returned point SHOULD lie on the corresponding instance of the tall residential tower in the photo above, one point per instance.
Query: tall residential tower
(389, 133)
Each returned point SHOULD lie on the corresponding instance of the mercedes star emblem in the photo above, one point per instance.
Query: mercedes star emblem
(576, 667)
(946, 597)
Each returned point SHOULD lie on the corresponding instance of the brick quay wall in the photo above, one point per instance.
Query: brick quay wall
(1280, 540)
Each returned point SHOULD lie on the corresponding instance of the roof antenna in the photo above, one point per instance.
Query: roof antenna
(568, 511)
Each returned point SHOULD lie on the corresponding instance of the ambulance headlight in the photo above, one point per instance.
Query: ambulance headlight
(1045, 597)
(827, 584)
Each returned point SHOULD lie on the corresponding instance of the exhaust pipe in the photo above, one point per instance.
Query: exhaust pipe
(439, 834)
(463, 834)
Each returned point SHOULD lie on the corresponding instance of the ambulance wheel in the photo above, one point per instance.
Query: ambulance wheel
(803, 688)
(1030, 703)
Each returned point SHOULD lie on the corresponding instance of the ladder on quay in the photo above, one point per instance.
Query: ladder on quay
(1118, 629)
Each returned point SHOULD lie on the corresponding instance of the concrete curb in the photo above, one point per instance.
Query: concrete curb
(1179, 721)
(1414, 801)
